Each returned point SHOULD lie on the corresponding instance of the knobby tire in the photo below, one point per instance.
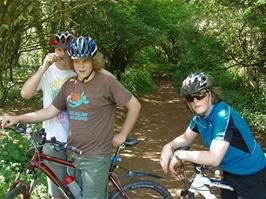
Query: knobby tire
(143, 189)
(17, 192)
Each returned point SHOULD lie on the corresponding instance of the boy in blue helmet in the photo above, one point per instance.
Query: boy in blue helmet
(91, 99)
(227, 136)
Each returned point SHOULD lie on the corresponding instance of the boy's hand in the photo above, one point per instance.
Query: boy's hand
(166, 156)
(118, 140)
(8, 121)
(50, 59)
(175, 162)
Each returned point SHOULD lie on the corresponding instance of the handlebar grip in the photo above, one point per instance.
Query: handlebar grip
(73, 149)
(20, 128)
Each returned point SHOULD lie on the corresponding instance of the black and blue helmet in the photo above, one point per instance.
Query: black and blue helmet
(82, 47)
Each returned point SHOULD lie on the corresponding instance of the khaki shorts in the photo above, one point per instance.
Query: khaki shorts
(60, 171)
(93, 176)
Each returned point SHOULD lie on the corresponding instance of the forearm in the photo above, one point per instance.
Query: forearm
(132, 115)
(212, 157)
(199, 157)
(40, 115)
(178, 142)
(30, 86)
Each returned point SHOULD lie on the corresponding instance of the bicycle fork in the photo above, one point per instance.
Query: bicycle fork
(118, 186)
(199, 185)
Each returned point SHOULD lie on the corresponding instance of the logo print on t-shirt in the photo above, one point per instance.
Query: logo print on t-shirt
(77, 99)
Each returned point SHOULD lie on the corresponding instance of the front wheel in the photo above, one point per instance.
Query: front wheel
(18, 192)
(143, 189)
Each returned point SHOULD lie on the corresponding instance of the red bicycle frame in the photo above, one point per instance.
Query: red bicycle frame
(37, 162)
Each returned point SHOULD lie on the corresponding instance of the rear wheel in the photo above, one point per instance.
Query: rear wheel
(18, 192)
(143, 189)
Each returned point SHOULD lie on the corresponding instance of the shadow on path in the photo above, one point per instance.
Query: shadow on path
(163, 117)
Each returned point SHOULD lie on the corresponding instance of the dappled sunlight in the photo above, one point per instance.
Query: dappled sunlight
(128, 155)
(5, 113)
(152, 156)
(150, 100)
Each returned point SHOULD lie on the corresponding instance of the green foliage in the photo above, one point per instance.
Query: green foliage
(12, 148)
(240, 27)
(8, 171)
(229, 79)
(250, 103)
(16, 151)
(199, 51)
(7, 174)
(138, 81)
(10, 92)
(179, 74)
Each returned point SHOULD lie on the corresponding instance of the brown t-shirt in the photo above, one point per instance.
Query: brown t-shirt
(91, 107)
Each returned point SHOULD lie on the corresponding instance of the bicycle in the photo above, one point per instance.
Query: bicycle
(136, 189)
(201, 183)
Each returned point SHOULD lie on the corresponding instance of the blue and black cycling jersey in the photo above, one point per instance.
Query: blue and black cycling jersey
(244, 155)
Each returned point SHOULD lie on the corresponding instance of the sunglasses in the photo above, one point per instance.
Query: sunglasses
(198, 96)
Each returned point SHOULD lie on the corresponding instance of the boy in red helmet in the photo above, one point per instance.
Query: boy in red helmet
(55, 70)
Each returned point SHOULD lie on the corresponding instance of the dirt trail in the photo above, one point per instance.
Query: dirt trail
(163, 116)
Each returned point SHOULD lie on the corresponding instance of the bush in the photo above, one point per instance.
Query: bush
(179, 74)
(16, 151)
(250, 103)
(138, 81)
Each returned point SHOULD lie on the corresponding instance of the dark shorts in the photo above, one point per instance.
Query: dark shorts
(246, 187)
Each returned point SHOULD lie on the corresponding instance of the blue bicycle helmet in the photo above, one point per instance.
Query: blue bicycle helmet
(82, 47)
(196, 82)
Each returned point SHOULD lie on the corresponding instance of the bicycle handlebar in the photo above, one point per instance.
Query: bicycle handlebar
(61, 146)
(201, 167)
(40, 138)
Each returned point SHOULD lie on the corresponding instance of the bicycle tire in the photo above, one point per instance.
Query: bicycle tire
(143, 189)
(17, 192)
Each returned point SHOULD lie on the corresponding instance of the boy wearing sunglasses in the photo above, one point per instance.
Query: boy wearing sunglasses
(229, 141)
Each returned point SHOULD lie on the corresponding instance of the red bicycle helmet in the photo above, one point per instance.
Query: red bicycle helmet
(61, 39)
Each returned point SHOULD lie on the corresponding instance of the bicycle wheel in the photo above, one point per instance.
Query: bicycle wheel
(17, 192)
(143, 189)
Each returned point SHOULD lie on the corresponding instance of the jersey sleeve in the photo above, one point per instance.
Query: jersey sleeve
(193, 126)
(221, 125)
(120, 95)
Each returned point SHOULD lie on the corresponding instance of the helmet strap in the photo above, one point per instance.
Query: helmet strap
(210, 105)
(88, 76)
